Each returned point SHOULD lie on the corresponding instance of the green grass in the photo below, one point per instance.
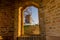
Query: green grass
(26, 27)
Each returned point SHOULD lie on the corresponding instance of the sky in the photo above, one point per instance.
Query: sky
(34, 14)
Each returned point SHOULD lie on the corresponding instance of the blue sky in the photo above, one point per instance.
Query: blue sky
(34, 15)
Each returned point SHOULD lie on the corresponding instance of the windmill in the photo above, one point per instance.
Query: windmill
(28, 16)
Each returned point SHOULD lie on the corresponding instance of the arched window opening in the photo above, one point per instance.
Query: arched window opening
(31, 21)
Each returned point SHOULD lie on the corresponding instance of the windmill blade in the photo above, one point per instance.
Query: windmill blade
(29, 10)
(32, 20)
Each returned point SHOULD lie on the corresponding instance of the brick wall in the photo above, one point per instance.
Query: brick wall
(6, 20)
(52, 18)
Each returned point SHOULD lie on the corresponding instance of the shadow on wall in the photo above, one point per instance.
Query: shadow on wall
(6, 38)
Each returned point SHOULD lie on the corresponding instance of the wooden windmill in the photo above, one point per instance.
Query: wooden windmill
(28, 15)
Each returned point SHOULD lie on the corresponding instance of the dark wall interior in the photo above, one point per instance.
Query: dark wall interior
(7, 9)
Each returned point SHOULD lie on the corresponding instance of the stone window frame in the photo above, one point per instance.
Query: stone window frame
(19, 22)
